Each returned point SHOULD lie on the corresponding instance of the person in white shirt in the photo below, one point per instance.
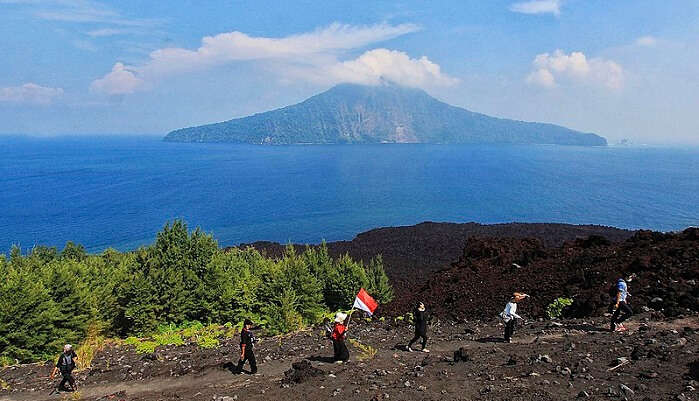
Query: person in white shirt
(510, 316)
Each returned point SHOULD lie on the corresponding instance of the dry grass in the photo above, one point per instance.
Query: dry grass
(74, 396)
(93, 343)
(366, 351)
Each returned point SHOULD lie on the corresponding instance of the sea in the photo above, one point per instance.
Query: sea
(118, 192)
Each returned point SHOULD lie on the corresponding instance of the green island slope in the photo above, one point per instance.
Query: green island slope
(388, 113)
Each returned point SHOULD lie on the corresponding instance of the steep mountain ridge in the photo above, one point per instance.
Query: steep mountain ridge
(350, 113)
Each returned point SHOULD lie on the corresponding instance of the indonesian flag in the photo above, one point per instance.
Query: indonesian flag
(365, 302)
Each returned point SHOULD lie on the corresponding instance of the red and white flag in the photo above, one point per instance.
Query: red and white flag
(365, 302)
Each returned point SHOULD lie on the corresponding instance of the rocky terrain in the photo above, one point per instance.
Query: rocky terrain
(655, 360)
(571, 358)
(665, 267)
(412, 253)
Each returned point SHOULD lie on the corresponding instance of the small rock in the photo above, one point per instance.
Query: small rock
(583, 394)
(487, 389)
(626, 390)
(407, 383)
(421, 388)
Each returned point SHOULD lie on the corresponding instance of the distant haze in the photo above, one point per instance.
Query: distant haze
(623, 70)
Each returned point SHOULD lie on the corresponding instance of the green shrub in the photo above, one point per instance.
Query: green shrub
(132, 341)
(555, 309)
(207, 342)
(171, 338)
(6, 361)
(170, 292)
(146, 347)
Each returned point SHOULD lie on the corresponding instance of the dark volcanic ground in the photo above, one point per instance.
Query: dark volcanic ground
(412, 253)
(655, 360)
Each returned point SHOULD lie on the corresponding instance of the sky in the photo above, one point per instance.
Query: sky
(624, 69)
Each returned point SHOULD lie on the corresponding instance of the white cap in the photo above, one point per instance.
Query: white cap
(340, 317)
(67, 347)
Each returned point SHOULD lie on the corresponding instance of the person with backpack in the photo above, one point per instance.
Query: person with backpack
(66, 364)
(420, 317)
(510, 316)
(622, 310)
(247, 343)
(338, 336)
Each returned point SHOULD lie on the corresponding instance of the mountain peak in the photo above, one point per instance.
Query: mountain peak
(384, 113)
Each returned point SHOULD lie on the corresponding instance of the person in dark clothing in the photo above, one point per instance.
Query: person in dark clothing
(66, 364)
(420, 317)
(338, 336)
(247, 342)
(622, 310)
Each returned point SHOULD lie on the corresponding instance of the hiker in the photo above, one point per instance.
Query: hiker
(420, 317)
(247, 343)
(338, 335)
(65, 364)
(622, 310)
(510, 316)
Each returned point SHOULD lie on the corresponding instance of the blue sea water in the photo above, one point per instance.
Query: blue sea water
(118, 192)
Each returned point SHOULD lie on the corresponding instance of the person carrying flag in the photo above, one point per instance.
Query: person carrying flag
(362, 301)
(420, 317)
(338, 336)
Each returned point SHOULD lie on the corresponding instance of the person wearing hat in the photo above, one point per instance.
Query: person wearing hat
(338, 335)
(622, 310)
(420, 318)
(66, 364)
(247, 342)
(510, 316)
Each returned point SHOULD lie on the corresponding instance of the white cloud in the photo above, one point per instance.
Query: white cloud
(542, 77)
(120, 81)
(302, 55)
(97, 33)
(377, 65)
(30, 93)
(82, 11)
(647, 41)
(575, 67)
(537, 7)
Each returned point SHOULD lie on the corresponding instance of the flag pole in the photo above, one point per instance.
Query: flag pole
(350, 317)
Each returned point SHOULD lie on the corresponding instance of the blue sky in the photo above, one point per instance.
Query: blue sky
(623, 68)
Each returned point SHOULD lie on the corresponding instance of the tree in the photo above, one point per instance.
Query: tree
(379, 286)
(28, 317)
(343, 282)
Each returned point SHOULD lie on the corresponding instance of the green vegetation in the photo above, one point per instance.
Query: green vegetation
(388, 113)
(555, 309)
(49, 298)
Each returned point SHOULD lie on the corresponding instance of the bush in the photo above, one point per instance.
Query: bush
(378, 284)
(176, 290)
(555, 309)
